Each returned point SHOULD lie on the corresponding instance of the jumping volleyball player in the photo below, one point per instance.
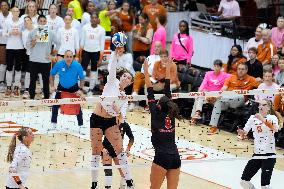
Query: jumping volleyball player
(108, 115)
(20, 158)
(263, 124)
(166, 162)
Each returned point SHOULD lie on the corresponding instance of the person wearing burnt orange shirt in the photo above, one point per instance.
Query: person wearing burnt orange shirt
(153, 10)
(235, 58)
(267, 49)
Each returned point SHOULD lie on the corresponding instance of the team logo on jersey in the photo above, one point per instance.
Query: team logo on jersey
(168, 122)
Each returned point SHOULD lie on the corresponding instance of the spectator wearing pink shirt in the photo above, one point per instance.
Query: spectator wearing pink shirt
(182, 45)
(213, 81)
(278, 33)
(229, 9)
(160, 34)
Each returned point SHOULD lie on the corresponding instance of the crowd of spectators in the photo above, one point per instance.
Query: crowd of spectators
(86, 27)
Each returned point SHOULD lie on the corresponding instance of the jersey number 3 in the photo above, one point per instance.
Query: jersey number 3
(259, 129)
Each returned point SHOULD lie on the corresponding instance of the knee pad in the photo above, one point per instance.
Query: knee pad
(247, 184)
(108, 172)
(265, 187)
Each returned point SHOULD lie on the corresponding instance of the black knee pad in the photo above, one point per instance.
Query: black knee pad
(108, 172)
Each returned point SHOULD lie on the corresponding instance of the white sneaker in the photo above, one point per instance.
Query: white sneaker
(53, 127)
(2, 87)
(26, 95)
(131, 106)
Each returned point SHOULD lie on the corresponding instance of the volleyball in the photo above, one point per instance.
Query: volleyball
(119, 39)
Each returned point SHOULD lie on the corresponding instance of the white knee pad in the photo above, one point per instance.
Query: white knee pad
(247, 184)
(265, 187)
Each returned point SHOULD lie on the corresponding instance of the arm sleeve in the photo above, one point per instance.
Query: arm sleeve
(249, 124)
(123, 110)
(112, 68)
(77, 41)
(151, 101)
(190, 48)
(103, 39)
(167, 89)
(81, 72)
(204, 82)
(83, 36)
(54, 70)
(128, 131)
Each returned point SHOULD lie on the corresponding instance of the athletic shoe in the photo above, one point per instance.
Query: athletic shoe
(90, 93)
(53, 127)
(131, 106)
(212, 131)
(26, 95)
(8, 93)
(94, 185)
(16, 92)
(2, 87)
(129, 182)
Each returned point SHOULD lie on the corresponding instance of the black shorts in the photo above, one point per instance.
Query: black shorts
(167, 161)
(101, 122)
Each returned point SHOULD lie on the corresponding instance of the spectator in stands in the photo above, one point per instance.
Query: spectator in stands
(255, 68)
(153, 10)
(266, 50)
(54, 22)
(31, 11)
(254, 41)
(127, 21)
(235, 58)
(89, 9)
(280, 76)
(68, 38)
(75, 23)
(40, 57)
(159, 73)
(182, 45)
(277, 36)
(13, 29)
(5, 15)
(161, 33)
(274, 64)
(279, 107)
(64, 7)
(267, 84)
(107, 16)
(240, 81)
(78, 10)
(229, 9)
(125, 61)
(139, 78)
(142, 37)
(134, 5)
(92, 45)
(262, 10)
(213, 81)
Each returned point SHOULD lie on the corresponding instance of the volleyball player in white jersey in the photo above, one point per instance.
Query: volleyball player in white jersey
(5, 14)
(20, 158)
(93, 44)
(68, 38)
(31, 11)
(54, 22)
(263, 125)
(28, 28)
(75, 23)
(88, 11)
(14, 52)
(107, 116)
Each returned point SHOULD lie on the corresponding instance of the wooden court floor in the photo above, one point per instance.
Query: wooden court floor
(62, 160)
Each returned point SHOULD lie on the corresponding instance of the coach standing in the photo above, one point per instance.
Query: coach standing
(69, 71)
(40, 41)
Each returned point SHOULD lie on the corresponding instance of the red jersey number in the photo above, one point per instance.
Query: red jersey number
(168, 123)
(259, 129)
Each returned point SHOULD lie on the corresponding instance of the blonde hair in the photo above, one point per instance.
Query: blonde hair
(20, 134)
(31, 2)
